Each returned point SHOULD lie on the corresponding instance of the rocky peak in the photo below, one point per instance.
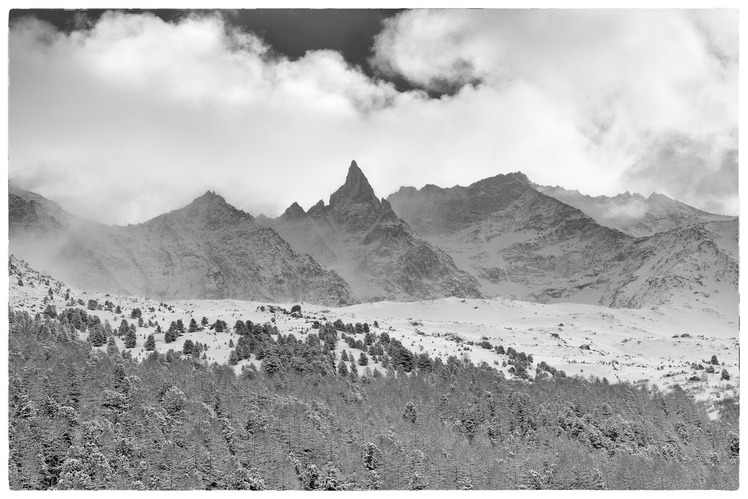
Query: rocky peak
(317, 211)
(355, 190)
(408, 190)
(210, 197)
(263, 219)
(657, 197)
(518, 177)
(386, 213)
(210, 207)
(293, 212)
(354, 207)
(501, 181)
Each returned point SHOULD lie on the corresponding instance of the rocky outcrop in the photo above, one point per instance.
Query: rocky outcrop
(377, 253)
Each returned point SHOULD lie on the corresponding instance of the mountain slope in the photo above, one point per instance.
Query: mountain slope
(515, 240)
(694, 266)
(378, 254)
(521, 243)
(634, 214)
(207, 249)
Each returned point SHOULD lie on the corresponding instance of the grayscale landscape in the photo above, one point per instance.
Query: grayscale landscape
(438, 249)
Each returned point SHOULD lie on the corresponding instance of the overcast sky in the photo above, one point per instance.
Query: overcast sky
(122, 116)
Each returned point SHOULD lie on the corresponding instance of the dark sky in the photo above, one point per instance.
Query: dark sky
(290, 32)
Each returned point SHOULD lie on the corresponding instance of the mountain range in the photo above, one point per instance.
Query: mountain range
(633, 214)
(521, 243)
(500, 236)
(208, 249)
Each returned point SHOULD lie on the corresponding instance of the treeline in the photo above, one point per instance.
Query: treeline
(80, 418)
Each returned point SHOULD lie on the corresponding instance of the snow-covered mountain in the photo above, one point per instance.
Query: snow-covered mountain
(500, 236)
(207, 249)
(694, 266)
(633, 214)
(377, 253)
(521, 243)
(517, 241)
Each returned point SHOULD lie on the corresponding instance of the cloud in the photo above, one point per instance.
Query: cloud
(137, 115)
(701, 173)
(625, 80)
(130, 116)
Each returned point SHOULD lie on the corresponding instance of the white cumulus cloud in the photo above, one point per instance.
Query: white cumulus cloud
(131, 116)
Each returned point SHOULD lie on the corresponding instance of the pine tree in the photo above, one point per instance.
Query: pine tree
(50, 311)
(410, 413)
(96, 336)
(271, 364)
(188, 347)
(123, 327)
(111, 346)
(131, 338)
(342, 368)
(371, 456)
(150, 343)
(171, 333)
(193, 326)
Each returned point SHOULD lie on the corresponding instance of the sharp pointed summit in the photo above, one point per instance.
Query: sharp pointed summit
(377, 253)
(355, 190)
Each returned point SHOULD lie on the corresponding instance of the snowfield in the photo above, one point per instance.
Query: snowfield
(660, 347)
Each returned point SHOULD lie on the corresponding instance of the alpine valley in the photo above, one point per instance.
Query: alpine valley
(594, 339)
(656, 267)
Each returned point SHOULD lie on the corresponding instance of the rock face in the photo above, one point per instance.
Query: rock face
(521, 243)
(31, 213)
(377, 253)
(634, 214)
(207, 249)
